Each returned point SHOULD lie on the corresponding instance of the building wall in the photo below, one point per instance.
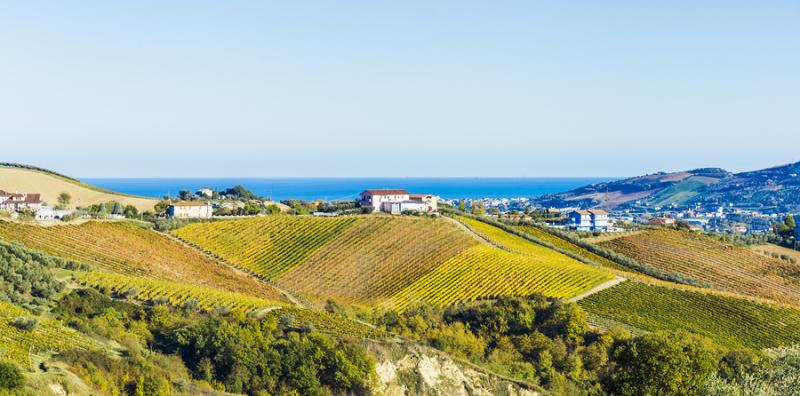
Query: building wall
(376, 201)
(400, 207)
(190, 212)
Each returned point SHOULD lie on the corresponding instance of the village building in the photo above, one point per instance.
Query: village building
(588, 220)
(190, 210)
(431, 201)
(52, 214)
(205, 192)
(18, 201)
(661, 221)
(398, 201)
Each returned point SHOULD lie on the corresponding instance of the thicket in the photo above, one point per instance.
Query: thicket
(549, 342)
(169, 350)
(25, 277)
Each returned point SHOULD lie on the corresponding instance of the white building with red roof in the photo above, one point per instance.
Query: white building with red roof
(18, 201)
(398, 201)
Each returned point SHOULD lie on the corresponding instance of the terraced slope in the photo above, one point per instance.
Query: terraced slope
(131, 250)
(729, 321)
(724, 266)
(486, 271)
(269, 246)
(377, 257)
(49, 336)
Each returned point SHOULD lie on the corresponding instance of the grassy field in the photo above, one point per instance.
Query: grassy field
(731, 322)
(769, 249)
(378, 257)
(132, 250)
(50, 186)
(724, 266)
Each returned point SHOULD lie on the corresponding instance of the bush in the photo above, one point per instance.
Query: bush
(24, 323)
(10, 376)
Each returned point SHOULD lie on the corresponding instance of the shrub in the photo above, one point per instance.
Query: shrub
(25, 323)
(10, 376)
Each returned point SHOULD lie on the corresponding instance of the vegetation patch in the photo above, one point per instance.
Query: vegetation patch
(378, 257)
(729, 321)
(485, 271)
(128, 248)
(723, 266)
(268, 246)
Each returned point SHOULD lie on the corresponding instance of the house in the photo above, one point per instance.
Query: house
(430, 201)
(588, 220)
(398, 201)
(205, 192)
(19, 201)
(661, 221)
(190, 210)
(376, 198)
(52, 214)
(403, 206)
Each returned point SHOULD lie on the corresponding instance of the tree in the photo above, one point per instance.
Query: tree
(185, 195)
(462, 205)
(240, 192)
(10, 376)
(130, 212)
(117, 209)
(661, 364)
(161, 207)
(64, 199)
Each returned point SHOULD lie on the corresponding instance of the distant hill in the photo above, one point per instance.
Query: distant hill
(776, 188)
(30, 179)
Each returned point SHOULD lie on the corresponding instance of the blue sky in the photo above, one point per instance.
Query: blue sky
(442, 88)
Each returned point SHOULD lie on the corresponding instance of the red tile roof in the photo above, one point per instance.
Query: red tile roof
(190, 203)
(385, 192)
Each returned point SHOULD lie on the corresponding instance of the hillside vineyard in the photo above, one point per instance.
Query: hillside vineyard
(366, 258)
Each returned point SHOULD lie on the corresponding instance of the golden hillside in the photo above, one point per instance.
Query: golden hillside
(50, 185)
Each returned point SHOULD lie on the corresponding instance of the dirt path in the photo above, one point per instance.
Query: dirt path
(293, 298)
(597, 289)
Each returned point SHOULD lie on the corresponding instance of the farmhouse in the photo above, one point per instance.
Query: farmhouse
(398, 201)
(588, 220)
(661, 221)
(18, 201)
(190, 210)
(52, 214)
(430, 201)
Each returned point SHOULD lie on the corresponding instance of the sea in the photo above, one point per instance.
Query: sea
(333, 189)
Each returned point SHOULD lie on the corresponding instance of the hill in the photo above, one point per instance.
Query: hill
(133, 250)
(401, 259)
(722, 266)
(50, 185)
(776, 188)
(729, 321)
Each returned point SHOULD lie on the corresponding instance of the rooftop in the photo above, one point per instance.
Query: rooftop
(385, 192)
(190, 203)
